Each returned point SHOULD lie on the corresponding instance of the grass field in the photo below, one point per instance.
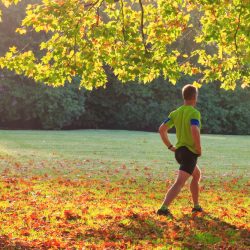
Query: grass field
(98, 189)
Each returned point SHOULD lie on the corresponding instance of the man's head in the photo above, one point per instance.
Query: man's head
(190, 93)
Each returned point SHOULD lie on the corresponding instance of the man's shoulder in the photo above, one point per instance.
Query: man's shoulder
(185, 109)
(192, 109)
(196, 110)
(195, 113)
(175, 111)
(178, 109)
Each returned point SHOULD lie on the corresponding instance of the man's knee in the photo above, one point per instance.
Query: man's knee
(197, 176)
(179, 184)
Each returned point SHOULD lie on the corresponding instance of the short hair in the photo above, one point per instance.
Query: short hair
(189, 92)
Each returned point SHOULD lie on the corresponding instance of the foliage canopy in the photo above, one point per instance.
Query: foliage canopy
(136, 39)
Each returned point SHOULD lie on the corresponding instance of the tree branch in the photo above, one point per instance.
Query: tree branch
(123, 24)
(142, 26)
(98, 12)
(91, 5)
(236, 31)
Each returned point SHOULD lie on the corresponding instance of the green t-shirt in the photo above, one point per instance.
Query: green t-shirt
(182, 118)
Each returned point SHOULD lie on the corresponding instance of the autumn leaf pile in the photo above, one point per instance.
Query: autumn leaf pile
(92, 204)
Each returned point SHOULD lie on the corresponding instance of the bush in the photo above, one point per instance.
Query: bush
(25, 104)
(137, 106)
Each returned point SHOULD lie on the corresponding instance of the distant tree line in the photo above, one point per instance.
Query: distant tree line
(25, 104)
(28, 105)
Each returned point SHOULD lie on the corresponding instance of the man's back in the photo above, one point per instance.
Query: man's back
(182, 118)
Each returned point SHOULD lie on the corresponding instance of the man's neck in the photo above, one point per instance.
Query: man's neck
(189, 103)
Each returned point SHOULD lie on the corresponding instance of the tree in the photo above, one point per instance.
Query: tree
(25, 104)
(137, 106)
(136, 39)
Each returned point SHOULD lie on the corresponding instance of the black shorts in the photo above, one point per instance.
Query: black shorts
(186, 158)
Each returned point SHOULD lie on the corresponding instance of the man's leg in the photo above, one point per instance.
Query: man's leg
(176, 188)
(194, 185)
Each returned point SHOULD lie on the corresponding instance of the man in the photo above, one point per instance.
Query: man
(187, 121)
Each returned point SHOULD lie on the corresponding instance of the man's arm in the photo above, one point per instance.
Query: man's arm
(195, 130)
(163, 130)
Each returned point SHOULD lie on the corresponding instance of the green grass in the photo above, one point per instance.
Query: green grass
(99, 189)
(221, 154)
(206, 238)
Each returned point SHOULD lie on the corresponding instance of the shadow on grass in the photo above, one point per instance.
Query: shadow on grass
(209, 232)
(132, 227)
(7, 244)
(189, 232)
(120, 230)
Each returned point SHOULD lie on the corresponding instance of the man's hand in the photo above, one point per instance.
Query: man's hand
(198, 150)
(173, 149)
(163, 130)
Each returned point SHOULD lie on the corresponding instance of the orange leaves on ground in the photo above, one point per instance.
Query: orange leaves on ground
(52, 243)
(85, 210)
(242, 213)
(70, 215)
(118, 213)
(25, 232)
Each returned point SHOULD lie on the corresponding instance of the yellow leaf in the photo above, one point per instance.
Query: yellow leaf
(196, 84)
(21, 31)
